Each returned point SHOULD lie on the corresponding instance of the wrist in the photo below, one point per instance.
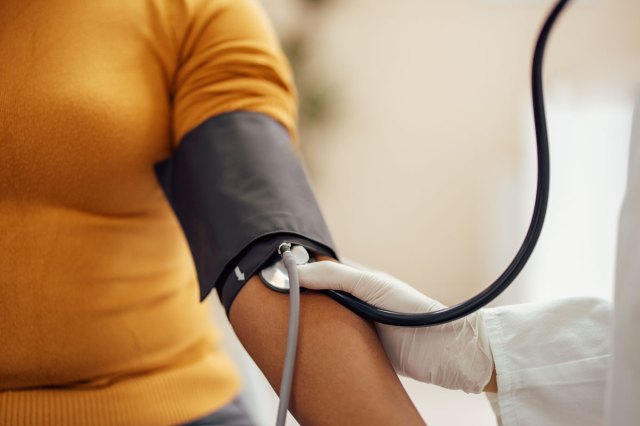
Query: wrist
(492, 386)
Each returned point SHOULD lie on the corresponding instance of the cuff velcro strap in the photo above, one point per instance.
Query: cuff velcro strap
(259, 255)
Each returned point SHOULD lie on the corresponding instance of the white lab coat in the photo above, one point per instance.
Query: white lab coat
(576, 361)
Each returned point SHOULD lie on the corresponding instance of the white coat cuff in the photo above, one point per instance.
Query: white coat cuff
(551, 361)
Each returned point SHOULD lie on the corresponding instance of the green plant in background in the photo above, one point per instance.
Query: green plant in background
(315, 96)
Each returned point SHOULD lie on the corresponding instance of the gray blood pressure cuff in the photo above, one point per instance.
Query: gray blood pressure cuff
(239, 190)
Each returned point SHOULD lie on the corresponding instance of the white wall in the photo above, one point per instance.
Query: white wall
(431, 149)
(576, 253)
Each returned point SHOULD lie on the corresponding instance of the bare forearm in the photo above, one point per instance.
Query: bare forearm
(342, 373)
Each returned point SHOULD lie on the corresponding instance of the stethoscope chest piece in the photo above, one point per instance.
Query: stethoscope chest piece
(276, 277)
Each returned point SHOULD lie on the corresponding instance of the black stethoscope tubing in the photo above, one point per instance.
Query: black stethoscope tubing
(480, 300)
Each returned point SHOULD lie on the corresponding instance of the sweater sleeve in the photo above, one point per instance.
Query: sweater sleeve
(551, 361)
(229, 60)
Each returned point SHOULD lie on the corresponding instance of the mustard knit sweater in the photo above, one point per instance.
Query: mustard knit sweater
(100, 322)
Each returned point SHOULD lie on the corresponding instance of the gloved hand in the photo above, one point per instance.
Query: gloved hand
(455, 355)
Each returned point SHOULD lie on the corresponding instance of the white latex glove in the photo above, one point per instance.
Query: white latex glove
(455, 355)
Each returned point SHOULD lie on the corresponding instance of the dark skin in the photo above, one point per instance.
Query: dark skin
(342, 373)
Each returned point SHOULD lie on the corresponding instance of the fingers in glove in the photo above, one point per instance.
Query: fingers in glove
(375, 288)
(330, 276)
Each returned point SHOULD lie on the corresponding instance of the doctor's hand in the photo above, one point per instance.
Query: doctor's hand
(455, 355)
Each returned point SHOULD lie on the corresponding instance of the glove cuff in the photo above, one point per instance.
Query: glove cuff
(479, 367)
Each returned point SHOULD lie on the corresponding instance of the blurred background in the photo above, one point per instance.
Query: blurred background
(417, 131)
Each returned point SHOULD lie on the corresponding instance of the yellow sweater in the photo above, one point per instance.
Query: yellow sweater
(100, 322)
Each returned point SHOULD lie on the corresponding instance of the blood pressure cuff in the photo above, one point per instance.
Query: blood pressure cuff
(239, 191)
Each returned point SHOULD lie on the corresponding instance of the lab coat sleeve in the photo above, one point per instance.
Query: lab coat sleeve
(551, 361)
(624, 380)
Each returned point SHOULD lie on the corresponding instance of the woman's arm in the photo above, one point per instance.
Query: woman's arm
(342, 374)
